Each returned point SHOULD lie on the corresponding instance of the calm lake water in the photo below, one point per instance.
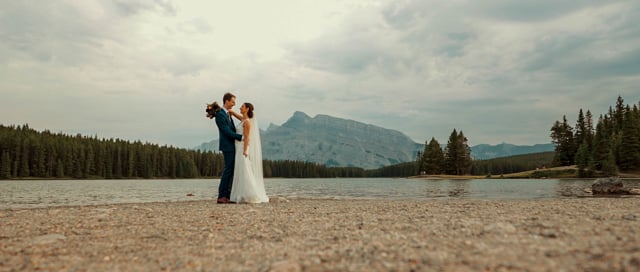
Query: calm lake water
(45, 193)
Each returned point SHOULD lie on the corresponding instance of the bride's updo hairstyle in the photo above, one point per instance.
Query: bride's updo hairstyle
(249, 109)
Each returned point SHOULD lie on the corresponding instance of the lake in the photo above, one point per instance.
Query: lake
(45, 193)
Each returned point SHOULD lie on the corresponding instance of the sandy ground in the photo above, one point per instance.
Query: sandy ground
(576, 234)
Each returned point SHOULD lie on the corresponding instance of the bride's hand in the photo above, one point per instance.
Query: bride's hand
(245, 154)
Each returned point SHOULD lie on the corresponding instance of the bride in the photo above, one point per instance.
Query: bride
(248, 182)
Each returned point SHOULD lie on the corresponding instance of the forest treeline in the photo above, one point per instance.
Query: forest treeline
(614, 144)
(512, 164)
(27, 153)
(455, 159)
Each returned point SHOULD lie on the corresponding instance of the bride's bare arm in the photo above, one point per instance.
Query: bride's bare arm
(235, 114)
(247, 129)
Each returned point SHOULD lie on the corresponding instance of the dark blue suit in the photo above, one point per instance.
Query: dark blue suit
(228, 136)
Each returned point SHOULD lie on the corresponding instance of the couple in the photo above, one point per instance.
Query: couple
(242, 179)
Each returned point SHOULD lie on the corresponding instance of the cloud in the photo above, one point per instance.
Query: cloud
(538, 11)
(133, 7)
(447, 58)
(498, 70)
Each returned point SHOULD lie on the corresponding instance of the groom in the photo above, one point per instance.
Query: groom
(228, 135)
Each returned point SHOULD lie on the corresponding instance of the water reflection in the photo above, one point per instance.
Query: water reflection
(43, 193)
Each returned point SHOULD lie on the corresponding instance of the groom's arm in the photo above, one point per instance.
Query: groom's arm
(223, 123)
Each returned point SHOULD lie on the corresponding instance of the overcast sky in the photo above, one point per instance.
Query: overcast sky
(500, 71)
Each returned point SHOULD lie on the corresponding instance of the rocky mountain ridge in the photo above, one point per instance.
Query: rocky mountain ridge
(341, 142)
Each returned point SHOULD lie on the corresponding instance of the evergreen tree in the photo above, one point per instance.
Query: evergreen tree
(16, 154)
(108, 163)
(581, 130)
(78, 169)
(117, 162)
(583, 161)
(629, 156)
(616, 146)
(89, 162)
(433, 158)
(618, 114)
(59, 169)
(562, 137)
(451, 152)
(37, 158)
(51, 162)
(609, 167)
(457, 155)
(602, 144)
(589, 133)
(25, 170)
(464, 154)
(5, 165)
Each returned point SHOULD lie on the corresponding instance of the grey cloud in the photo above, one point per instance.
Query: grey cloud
(402, 15)
(68, 32)
(407, 36)
(195, 26)
(341, 54)
(554, 50)
(47, 32)
(183, 62)
(609, 50)
(620, 66)
(133, 7)
(421, 67)
(454, 45)
(531, 11)
(303, 92)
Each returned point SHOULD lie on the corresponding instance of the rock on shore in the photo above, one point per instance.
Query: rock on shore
(612, 186)
(573, 234)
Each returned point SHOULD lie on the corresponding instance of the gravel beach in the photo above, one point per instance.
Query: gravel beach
(573, 234)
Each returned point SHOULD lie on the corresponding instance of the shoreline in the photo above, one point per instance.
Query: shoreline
(319, 235)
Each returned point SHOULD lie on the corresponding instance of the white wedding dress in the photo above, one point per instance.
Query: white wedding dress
(248, 181)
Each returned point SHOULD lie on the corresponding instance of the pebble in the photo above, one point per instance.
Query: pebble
(49, 238)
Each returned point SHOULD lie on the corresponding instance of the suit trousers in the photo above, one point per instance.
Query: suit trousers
(226, 181)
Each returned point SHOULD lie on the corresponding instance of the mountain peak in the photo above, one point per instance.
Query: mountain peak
(298, 118)
(300, 114)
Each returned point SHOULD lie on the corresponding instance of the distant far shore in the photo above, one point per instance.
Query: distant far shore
(563, 172)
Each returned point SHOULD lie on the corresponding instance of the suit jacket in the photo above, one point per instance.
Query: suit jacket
(227, 130)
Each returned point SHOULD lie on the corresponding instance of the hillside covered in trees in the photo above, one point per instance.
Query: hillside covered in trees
(614, 144)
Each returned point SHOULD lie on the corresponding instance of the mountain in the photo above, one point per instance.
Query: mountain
(341, 142)
(485, 151)
(336, 142)
(333, 142)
